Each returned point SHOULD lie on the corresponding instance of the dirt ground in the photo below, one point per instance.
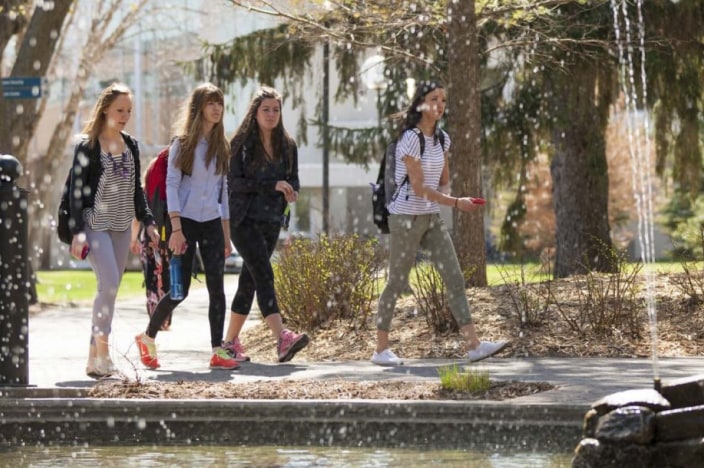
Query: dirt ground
(562, 329)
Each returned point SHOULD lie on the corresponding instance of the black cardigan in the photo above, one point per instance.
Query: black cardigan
(242, 186)
(86, 172)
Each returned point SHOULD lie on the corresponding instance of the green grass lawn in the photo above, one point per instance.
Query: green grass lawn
(66, 286)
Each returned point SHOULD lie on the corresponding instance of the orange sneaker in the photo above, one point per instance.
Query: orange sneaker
(147, 351)
(222, 360)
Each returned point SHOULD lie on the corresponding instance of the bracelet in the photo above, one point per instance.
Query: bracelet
(457, 200)
(175, 230)
(174, 216)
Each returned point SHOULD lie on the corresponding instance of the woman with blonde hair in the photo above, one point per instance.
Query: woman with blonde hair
(263, 178)
(196, 196)
(106, 194)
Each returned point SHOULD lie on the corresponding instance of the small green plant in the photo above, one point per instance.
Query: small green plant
(472, 381)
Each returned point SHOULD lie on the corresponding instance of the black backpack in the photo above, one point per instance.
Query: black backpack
(385, 190)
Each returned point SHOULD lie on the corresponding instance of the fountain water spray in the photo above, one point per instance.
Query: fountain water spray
(638, 146)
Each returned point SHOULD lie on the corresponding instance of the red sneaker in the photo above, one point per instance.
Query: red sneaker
(147, 351)
(222, 360)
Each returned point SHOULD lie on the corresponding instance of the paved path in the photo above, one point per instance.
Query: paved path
(58, 346)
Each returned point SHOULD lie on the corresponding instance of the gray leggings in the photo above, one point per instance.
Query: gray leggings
(108, 258)
(407, 234)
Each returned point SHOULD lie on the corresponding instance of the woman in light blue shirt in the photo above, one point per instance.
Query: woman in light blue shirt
(196, 196)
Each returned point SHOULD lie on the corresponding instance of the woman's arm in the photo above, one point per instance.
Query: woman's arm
(417, 181)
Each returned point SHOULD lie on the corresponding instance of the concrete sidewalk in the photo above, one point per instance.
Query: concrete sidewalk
(58, 346)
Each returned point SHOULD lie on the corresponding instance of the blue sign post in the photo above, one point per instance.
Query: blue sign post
(18, 87)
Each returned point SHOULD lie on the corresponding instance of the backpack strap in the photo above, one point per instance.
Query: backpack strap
(421, 140)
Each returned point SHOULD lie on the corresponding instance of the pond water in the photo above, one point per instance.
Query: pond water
(203, 456)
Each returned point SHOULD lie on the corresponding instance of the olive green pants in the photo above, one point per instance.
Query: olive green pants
(408, 233)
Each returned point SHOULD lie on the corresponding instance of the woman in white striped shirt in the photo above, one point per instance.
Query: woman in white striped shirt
(414, 221)
(106, 195)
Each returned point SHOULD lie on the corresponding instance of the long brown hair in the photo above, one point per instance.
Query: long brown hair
(97, 118)
(412, 115)
(189, 127)
(248, 131)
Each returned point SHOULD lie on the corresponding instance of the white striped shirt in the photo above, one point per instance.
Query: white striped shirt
(432, 162)
(114, 201)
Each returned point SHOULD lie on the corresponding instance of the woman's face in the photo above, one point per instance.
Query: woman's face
(433, 104)
(119, 112)
(212, 112)
(268, 114)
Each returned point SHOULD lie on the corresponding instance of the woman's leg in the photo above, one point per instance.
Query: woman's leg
(405, 234)
(212, 249)
(438, 242)
(108, 257)
(255, 242)
(166, 305)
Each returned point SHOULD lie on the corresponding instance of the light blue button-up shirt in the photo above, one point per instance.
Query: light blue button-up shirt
(196, 196)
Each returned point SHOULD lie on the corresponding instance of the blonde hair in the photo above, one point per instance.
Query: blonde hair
(98, 119)
(189, 127)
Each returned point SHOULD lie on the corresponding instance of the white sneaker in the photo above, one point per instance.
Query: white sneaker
(485, 349)
(386, 358)
(98, 368)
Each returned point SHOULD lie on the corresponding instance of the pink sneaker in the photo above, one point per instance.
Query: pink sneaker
(289, 344)
(235, 349)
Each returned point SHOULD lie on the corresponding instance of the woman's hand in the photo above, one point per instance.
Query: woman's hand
(78, 244)
(177, 242)
(286, 188)
(153, 234)
(469, 203)
(135, 246)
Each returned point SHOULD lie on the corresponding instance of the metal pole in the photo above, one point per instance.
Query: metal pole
(326, 138)
(14, 292)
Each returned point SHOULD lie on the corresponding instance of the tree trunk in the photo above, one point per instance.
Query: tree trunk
(33, 59)
(9, 26)
(579, 172)
(465, 131)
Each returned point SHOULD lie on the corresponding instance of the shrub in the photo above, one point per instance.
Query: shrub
(431, 298)
(330, 278)
(529, 301)
(691, 283)
(608, 302)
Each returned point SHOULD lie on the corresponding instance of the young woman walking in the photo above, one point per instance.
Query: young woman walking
(414, 221)
(196, 196)
(106, 195)
(263, 178)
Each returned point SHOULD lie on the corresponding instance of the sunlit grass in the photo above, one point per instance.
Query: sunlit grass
(76, 286)
(472, 380)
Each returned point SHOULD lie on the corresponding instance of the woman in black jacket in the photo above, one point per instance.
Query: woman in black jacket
(263, 179)
(105, 195)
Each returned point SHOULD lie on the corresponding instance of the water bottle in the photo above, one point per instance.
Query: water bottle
(176, 281)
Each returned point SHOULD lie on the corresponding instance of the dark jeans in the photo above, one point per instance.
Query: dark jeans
(255, 241)
(211, 241)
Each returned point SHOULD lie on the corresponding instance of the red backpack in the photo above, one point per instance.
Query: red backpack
(155, 186)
